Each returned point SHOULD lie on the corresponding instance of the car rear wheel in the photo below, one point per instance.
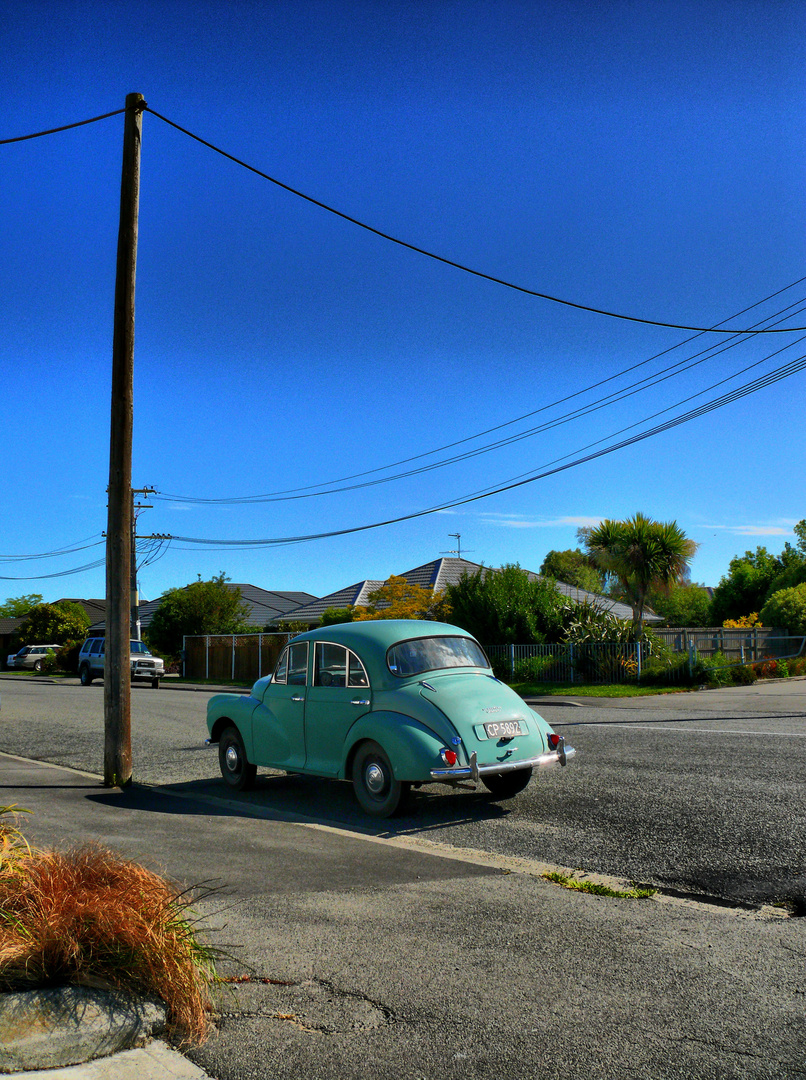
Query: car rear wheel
(506, 785)
(85, 676)
(238, 772)
(374, 782)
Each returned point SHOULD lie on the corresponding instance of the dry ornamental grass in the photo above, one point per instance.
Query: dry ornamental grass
(89, 916)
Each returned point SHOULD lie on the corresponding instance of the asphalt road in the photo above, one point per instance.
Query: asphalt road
(698, 793)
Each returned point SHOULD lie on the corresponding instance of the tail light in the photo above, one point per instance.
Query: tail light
(553, 741)
(448, 756)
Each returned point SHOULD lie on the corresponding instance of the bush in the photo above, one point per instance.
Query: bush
(67, 657)
(49, 662)
(536, 669)
(743, 675)
(663, 671)
(787, 609)
(88, 915)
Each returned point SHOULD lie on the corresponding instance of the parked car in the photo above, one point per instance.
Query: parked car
(143, 664)
(31, 657)
(386, 704)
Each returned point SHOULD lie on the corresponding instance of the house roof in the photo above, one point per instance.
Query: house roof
(448, 571)
(356, 595)
(265, 605)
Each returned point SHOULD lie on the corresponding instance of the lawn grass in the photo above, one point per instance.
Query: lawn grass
(594, 690)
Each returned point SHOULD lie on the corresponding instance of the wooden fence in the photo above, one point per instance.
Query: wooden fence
(240, 658)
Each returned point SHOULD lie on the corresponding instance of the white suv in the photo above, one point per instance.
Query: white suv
(143, 664)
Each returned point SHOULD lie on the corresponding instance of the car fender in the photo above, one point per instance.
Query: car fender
(413, 748)
(226, 709)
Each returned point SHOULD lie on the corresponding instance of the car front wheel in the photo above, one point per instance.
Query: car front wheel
(374, 783)
(238, 772)
(506, 785)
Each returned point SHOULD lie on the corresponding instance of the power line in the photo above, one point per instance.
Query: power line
(69, 549)
(451, 262)
(65, 127)
(749, 388)
(615, 397)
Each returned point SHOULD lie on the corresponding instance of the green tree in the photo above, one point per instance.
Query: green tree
(333, 615)
(786, 609)
(52, 624)
(203, 607)
(507, 607)
(682, 605)
(18, 606)
(641, 554)
(746, 586)
(573, 568)
(400, 599)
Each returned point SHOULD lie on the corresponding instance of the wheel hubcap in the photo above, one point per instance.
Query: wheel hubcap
(375, 778)
(232, 759)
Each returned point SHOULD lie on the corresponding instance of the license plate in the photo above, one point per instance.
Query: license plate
(503, 729)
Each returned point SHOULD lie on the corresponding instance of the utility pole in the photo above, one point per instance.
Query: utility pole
(117, 677)
(134, 595)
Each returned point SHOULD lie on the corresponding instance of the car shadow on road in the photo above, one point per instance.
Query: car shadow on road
(295, 798)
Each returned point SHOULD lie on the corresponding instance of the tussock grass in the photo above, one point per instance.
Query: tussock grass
(89, 916)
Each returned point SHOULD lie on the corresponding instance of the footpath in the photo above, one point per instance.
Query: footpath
(354, 955)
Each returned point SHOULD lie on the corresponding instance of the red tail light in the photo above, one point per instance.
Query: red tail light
(448, 756)
(554, 741)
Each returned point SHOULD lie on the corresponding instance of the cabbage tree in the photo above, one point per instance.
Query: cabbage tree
(641, 554)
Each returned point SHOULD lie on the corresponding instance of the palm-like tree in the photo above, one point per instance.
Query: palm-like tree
(641, 554)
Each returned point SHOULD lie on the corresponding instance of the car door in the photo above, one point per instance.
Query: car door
(278, 722)
(338, 695)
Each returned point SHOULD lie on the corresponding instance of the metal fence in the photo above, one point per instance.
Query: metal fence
(611, 662)
(232, 657)
(246, 657)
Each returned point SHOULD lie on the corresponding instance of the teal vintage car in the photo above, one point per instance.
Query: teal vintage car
(387, 704)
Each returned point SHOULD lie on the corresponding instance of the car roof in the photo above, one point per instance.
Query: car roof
(371, 638)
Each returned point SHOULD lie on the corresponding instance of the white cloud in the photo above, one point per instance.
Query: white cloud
(751, 530)
(519, 521)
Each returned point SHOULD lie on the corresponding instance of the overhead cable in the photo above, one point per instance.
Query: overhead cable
(734, 395)
(452, 262)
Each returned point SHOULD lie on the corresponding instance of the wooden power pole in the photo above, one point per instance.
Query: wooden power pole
(117, 676)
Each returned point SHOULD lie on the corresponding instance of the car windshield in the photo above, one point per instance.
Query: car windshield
(432, 653)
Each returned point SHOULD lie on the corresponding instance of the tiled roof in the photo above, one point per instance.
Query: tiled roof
(352, 596)
(265, 606)
(9, 625)
(437, 575)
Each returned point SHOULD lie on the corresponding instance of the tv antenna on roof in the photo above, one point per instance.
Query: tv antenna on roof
(458, 551)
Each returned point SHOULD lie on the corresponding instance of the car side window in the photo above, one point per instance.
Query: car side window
(330, 667)
(358, 676)
(298, 664)
(281, 671)
(96, 647)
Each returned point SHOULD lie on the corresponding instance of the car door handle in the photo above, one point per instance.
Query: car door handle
(296, 697)
(360, 701)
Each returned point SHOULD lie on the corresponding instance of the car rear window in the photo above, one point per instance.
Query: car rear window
(432, 653)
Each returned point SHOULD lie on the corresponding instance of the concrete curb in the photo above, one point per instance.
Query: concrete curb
(70, 1025)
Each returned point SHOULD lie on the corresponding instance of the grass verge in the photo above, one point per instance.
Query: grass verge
(88, 916)
(594, 690)
(595, 889)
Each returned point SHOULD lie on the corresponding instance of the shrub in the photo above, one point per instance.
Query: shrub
(88, 914)
(67, 656)
(535, 669)
(661, 671)
(797, 666)
(743, 674)
(787, 609)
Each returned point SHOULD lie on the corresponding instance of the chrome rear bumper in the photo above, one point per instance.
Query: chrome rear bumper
(474, 771)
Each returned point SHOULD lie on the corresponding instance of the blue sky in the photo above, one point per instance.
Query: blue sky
(641, 158)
